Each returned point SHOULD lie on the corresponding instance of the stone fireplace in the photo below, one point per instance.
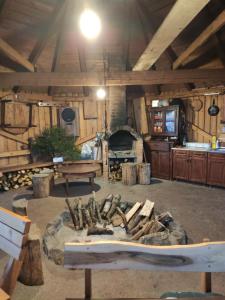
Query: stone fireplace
(123, 144)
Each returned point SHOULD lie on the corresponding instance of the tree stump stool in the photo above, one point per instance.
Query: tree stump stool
(41, 185)
(50, 174)
(31, 272)
(144, 173)
(20, 206)
(129, 173)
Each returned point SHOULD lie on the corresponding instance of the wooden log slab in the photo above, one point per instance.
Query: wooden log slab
(129, 173)
(41, 185)
(144, 173)
(31, 272)
(147, 209)
(20, 206)
(50, 174)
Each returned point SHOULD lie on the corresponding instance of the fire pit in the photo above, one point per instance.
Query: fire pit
(111, 219)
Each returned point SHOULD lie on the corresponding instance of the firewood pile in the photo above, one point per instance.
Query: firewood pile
(17, 179)
(138, 219)
(115, 171)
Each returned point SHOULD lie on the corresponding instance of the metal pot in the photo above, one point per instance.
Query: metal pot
(213, 110)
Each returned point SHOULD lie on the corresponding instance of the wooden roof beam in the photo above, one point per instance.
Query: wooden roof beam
(181, 14)
(218, 23)
(14, 55)
(37, 79)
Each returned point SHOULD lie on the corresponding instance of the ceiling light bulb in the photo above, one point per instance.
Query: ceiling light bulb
(90, 24)
(101, 94)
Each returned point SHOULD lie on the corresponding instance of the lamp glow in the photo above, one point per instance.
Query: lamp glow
(101, 94)
(90, 24)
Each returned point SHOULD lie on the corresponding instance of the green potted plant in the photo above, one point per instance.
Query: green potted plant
(53, 142)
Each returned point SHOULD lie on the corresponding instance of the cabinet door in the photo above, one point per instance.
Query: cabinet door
(164, 165)
(155, 163)
(216, 169)
(198, 167)
(180, 164)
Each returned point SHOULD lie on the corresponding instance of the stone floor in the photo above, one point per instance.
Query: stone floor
(200, 209)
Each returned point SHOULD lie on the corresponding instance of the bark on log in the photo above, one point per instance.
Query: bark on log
(144, 173)
(129, 173)
(88, 217)
(122, 215)
(115, 203)
(79, 207)
(31, 271)
(99, 217)
(102, 204)
(139, 225)
(106, 207)
(20, 207)
(143, 231)
(71, 213)
(99, 231)
(40, 185)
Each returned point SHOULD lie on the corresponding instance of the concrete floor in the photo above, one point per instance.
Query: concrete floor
(198, 208)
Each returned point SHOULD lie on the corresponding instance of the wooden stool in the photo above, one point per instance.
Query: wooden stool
(129, 173)
(41, 185)
(144, 173)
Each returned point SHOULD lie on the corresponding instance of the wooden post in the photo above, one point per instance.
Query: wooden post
(206, 278)
(129, 173)
(41, 185)
(144, 173)
(87, 286)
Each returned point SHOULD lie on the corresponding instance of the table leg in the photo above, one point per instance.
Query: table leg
(91, 181)
(67, 186)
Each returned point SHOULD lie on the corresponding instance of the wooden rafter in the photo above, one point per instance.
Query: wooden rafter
(200, 40)
(51, 29)
(181, 14)
(169, 53)
(210, 76)
(14, 55)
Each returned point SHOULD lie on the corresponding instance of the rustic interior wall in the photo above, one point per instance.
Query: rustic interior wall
(13, 152)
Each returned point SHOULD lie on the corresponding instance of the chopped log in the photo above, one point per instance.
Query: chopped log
(71, 214)
(147, 209)
(139, 225)
(20, 206)
(117, 220)
(144, 173)
(107, 207)
(143, 231)
(165, 218)
(157, 227)
(88, 217)
(115, 203)
(102, 204)
(99, 231)
(132, 213)
(122, 215)
(79, 207)
(99, 217)
(134, 221)
(123, 206)
(31, 271)
(129, 173)
(40, 185)
(50, 174)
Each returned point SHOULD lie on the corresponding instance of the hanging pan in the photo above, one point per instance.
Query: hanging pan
(213, 109)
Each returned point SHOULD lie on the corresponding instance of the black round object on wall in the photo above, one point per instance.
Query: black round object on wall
(213, 109)
(68, 115)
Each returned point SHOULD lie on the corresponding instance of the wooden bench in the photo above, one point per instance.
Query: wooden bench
(14, 231)
(204, 258)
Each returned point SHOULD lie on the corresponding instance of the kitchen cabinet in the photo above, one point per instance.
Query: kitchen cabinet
(216, 169)
(164, 121)
(190, 165)
(159, 155)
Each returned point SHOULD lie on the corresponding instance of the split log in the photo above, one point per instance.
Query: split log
(144, 173)
(88, 217)
(117, 220)
(147, 209)
(71, 214)
(129, 173)
(79, 207)
(102, 204)
(107, 206)
(165, 218)
(40, 185)
(115, 203)
(99, 231)
(20, 206)
(99, 217)
(143, 231)
(139, 225)
(122, 215)
(31, 271)
(157, 227)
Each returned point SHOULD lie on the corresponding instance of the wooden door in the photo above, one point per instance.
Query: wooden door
(180, 164)
(216, 169)
(164, 165)
(197, 166)
(154, 163)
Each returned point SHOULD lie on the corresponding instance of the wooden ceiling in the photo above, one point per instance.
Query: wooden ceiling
(158, 35)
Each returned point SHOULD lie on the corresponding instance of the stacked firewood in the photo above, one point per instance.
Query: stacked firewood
(137, 219)
(17, 179)
(115, 171)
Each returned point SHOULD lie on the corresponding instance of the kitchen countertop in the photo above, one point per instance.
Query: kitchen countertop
(200, 149)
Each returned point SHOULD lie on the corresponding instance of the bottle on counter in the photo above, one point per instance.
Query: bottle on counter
(213, 142)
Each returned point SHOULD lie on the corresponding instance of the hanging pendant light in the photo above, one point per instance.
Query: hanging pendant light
(90, 24)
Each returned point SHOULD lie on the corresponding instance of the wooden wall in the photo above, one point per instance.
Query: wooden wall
(17, 114)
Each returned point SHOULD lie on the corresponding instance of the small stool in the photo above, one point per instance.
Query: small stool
(41, 186)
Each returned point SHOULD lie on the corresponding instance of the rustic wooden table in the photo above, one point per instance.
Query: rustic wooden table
(83, 170)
